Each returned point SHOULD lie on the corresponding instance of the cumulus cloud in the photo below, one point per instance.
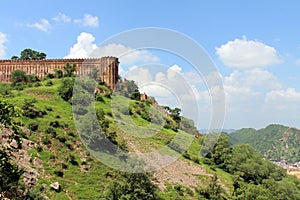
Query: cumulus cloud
(244, 53)
(3, 39)
(62, 18)
(282, 106)
(42, 25)
(127, 55)
(283, 98)
(254, 78)
(88, 20)
(139, 75)
(83, 47)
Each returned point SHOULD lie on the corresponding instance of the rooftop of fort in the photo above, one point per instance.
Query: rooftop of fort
(60, 59)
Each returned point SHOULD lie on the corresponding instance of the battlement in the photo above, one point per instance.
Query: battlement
(108, 67)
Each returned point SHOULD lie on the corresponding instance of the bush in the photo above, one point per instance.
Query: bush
(30, 111)
(72, 160)
(62, 139)
(50, 130)
(46, 140)
(18, 76)
(59, 172)
(55, 124)
(39, 149)
(48, 108)
(49, 83)
(37, 84)
(64, 166)
(49, 76)
(32, 78)
(66, 89)
(33, 126)
(99, 97)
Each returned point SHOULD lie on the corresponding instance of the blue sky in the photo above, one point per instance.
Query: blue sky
(254, 44)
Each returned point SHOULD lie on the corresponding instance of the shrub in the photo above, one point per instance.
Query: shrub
(55, 124)
(50, 130)
(72, 159)
(48, 108)
(99, 97)
(59, 172)
(18, 76)
(71, 133)
(46, 140)
(49, 83)
(39, 149)
(62, 139)
(37, 84)
(66, 89)
(33, 126)
(64, 166)
(49, 76)
(32, 78)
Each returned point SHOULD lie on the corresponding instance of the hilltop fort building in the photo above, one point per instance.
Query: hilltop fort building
(107, 66)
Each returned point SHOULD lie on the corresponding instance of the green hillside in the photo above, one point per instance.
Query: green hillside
(275, 142)
(39, 114)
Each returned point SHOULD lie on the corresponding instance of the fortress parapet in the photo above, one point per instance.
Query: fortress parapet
(107, 66)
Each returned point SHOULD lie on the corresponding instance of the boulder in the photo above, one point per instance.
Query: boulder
(55, 186)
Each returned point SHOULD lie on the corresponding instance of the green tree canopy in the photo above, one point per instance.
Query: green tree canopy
(29, 54)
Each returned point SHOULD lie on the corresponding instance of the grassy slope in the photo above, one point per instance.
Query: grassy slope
(83, 176)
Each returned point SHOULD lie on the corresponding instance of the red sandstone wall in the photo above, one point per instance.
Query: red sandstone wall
(108, 67)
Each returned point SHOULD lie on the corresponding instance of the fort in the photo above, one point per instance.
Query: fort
(107, 67)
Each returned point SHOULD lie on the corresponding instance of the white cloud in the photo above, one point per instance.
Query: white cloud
(254, 78)
(62, 18)
(83, 47)
(174, 72)
(3, 39)
(243, 53)
(43, 25)
(88, 20)
(127, 55)
(282, 106)
(283, 98)
(139, 75)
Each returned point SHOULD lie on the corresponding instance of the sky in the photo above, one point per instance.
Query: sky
(254, 45)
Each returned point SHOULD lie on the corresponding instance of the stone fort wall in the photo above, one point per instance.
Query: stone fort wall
(108, 68)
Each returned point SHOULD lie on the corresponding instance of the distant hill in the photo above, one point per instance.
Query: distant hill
(275, 142)
(216, 130)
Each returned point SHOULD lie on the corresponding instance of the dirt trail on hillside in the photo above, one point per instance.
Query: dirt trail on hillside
(170, 169)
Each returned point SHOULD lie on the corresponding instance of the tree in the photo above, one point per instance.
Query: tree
(66, 89)
(9, 175)
(135, 186)
(32, 78)
(29, 54)
(220, 154)
(9, 172)
(18, 76)
(128, 89)
(175, 113)
(135, 95)
(213, 191)
(15, 58)
(58, 73)
(69, 69)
